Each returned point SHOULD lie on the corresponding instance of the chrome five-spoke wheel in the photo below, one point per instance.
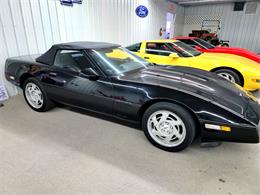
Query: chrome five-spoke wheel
(166, 128)
(34, 95)
(169, 126)
(227, 76)
(230, 75)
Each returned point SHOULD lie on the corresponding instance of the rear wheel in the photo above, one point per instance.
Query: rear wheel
(208, 38)
(225, 45)
(35, 95)
(168, 126)
(229, 75)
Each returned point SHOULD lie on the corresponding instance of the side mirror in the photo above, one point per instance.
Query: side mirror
(174, 55)
(89, 73)
(197, 47)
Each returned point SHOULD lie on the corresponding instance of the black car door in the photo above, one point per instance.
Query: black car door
(65, 82)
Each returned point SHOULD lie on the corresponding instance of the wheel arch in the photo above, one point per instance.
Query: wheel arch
(23, 78)
(233, 69)
(154, 101)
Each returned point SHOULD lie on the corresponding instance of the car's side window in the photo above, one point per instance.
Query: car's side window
(134, 47)
(74, 60)
(158, 49)
(189, 42)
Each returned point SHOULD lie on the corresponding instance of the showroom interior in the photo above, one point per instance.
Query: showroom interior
(59, 147)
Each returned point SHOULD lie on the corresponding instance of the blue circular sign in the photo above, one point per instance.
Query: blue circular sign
(141, 11)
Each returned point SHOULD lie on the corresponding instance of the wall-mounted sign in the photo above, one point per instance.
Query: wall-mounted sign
(3, 94)
(70, 2)
(141, 11)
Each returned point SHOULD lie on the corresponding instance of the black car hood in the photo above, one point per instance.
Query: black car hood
(197, 82)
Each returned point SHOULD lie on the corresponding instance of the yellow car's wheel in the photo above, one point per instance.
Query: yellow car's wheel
(230, 75)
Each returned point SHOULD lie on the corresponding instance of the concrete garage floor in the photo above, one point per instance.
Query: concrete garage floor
(66, 152)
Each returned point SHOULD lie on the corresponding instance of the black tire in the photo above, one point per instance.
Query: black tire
(208, 38)
(236, 77)
(182, 113)
(225, 45)
(47, 103)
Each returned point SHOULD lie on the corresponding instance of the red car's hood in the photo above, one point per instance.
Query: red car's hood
(237, 51)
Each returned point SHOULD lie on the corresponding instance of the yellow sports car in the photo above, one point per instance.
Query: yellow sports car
(240, 70)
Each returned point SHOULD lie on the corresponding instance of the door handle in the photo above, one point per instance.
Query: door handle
(146, 58)
(54, 74)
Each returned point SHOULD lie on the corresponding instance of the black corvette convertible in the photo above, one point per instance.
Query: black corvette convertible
(171, 103)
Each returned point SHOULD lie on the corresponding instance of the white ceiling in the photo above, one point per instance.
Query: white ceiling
(203, 2)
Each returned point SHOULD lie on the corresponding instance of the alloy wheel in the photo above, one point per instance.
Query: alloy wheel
(34, 95)
(166, 128)
(227, 76)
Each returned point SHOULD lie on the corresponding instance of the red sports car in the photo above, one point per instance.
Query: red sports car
(204, 46)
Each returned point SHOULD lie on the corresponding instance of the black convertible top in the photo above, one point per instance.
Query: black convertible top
(48, 57)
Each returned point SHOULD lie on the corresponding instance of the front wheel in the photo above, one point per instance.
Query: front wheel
(229, 75)
(35, 95)
(168, 126)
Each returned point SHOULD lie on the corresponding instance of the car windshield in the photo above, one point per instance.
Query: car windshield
(115, 61)
(183, 49)
(204, 43)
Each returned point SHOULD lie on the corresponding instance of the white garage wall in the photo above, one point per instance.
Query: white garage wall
(242, 30)
(32, 26)
(179, 21)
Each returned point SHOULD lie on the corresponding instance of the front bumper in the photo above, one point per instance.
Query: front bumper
(252, 83)
(246, 131)
(238, 133)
